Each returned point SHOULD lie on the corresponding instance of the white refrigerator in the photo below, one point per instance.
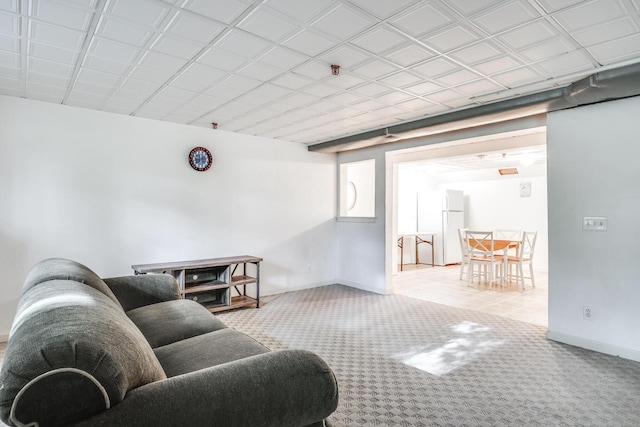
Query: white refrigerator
(442, 213)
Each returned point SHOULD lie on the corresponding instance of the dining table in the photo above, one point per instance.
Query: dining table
(502, 245)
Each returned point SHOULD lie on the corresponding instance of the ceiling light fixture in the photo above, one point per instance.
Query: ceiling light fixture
(335, 70)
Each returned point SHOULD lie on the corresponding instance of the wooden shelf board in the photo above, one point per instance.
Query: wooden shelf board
(242, 280)
(210, 286)
(236, 302)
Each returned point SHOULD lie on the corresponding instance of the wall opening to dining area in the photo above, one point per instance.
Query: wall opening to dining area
(492, 201)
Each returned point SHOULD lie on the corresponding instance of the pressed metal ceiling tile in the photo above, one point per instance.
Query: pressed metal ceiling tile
(344, 56)
(154, 75)
(61, 14)
(477, 53)
(565, 64)
(9, 25)
(124, 31)
(53, 53)
(547, 49)
(259, 71)
(505, 16)
(293, 81)
(379, 40)
(371, 89)
(479, 87)
(56, 35)
(383, 9)
(282, 58)
(345, 81)
(469, 7)
(98, 77)
(516, 78)
(98, 63)
(161, 61)
(309, 42)
(241, 43)
(177, 47)
(267, 25)
(590, 13)
(48, 67)
(528, 35)
(419, 21)
(316, 70)
(617, 50)
(147, 13)
(374, 69)
(195, 28)
(222, 60)
(321, 90)
(221, 10)
(555, 5)
(458, 77)
(435, 67)
(299, 10)
(497, 65)
(606, 32)
(342, 22)
(409, 55)
(11, 44)
(401, 79)
(451, 38)
(9, 5)
(8, 59)
(113, 50)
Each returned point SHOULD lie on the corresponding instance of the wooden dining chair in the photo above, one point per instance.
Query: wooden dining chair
(464, 250)
(524, 256)
(507, 234)
(481, 253)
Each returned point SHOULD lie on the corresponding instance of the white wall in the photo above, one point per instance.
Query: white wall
(110, 191)
(593, 154)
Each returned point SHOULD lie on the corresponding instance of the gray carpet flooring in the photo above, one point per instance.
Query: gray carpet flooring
(400, 361)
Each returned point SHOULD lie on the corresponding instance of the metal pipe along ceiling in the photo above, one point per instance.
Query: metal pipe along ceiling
(606, 85)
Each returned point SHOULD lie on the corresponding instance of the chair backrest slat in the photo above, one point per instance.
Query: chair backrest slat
(480, 243)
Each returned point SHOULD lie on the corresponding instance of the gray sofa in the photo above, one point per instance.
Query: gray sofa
(128, 351)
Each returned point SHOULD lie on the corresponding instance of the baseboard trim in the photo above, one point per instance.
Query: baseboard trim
(361, 287)
(598, 346)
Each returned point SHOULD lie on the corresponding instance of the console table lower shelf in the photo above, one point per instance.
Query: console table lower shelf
(219, 284)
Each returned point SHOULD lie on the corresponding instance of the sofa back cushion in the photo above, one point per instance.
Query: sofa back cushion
(65, 269)
(72, 353)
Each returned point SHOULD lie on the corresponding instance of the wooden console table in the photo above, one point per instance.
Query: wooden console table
(211, 282)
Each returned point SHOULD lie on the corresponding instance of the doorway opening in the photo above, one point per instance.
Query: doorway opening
(493, 199)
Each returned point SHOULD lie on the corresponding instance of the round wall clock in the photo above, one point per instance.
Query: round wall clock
(200, 159)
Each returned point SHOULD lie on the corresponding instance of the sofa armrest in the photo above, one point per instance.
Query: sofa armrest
(144, 289)
(283, 388)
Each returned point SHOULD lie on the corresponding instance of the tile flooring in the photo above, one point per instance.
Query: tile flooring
(443, 285)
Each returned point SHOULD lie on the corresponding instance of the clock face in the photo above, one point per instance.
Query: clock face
(200, 159)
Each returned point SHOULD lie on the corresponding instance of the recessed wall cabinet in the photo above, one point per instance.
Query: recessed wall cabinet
(218, 283)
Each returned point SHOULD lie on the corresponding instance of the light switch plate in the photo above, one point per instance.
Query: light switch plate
(594, 223)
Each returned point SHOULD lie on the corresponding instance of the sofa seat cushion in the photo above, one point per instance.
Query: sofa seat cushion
(73, 347)
(170, 321)
(204, 351)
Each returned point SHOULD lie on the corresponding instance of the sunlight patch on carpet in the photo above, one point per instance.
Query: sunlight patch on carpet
(468, 344)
